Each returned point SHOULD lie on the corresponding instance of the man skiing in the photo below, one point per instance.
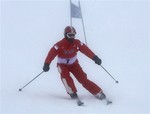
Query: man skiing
(66, 50)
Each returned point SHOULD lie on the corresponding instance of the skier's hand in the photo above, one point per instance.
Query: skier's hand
(97, 60)
(46, 67)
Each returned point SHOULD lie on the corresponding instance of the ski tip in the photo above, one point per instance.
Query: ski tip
(80, 103)
(109, 102)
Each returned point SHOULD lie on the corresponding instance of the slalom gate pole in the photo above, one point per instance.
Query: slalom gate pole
(110, 74)
(30, 81)
(83, 24)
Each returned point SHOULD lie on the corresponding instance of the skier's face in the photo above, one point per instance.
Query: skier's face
(70, 37)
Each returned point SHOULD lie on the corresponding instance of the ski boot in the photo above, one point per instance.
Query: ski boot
(100, 95)
(75, 96)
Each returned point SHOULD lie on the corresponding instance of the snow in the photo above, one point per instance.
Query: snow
(117, 31)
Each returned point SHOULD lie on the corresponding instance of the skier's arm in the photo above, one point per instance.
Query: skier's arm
(51, 55)
(85, 50)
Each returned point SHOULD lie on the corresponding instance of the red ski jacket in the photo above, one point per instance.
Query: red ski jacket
(67, 52)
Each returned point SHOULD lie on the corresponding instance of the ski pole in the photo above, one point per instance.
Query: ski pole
(30, 81)
(110, 75)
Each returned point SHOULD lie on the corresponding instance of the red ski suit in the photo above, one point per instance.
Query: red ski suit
(67, 62)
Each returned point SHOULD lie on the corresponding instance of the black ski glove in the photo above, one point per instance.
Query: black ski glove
(46, 67)
(97, 60)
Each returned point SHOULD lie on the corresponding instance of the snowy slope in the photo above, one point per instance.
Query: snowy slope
(117, 31)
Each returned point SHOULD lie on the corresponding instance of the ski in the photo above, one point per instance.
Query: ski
(79, 102)
(108, 102)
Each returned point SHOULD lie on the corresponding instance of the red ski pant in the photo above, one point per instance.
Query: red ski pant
(80, 75)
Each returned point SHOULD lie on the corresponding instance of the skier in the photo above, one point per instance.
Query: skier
(66, 50)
